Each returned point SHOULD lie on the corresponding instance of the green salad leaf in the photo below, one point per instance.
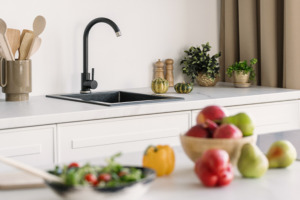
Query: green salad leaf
(111, 175)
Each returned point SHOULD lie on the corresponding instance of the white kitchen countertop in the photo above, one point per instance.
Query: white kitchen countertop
(276, 184)
(40, 110)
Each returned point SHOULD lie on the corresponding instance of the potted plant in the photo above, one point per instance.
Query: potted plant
(199, 65)
(241, 71)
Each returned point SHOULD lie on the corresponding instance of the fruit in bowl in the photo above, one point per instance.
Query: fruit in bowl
(213, 112)
(113, 181)
(198, 131)
(213, 131)
(242, 121)
(227, 131)
(203, 130)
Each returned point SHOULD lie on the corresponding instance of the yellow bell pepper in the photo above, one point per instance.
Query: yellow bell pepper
(160, 158)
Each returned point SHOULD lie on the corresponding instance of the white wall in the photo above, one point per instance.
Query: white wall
(152, 29)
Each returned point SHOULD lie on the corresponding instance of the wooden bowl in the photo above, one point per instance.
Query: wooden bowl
(194, 147)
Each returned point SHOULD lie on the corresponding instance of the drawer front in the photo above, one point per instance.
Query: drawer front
(33, 146)
(268, 117)
(92, 139)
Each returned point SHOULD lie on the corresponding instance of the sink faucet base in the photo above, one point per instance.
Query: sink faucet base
(86, 83)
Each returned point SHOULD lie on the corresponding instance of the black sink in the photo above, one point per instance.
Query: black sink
(115, 98)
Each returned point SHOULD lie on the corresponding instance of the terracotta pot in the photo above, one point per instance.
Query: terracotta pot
(203, 80)
(240, 77)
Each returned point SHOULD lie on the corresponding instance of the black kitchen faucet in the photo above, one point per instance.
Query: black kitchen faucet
(86, 83)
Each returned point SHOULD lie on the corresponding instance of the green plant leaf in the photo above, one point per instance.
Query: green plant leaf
(242, 66)
(198, 59)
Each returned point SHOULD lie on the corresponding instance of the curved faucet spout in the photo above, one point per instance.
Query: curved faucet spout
(86, 83)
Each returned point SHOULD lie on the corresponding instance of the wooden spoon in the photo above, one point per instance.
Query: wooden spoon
(7, 53)
(39, 25)
(14, 39)
(25, 45)
(36, 43)
(31, 170)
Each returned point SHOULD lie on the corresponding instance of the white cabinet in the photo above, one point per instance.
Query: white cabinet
(92, 139)
(34, 146)
(272, 117)
(268, 117)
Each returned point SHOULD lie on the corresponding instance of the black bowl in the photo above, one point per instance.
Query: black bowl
(130, 191)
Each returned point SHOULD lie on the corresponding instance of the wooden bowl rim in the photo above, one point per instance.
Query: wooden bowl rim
(215, 140)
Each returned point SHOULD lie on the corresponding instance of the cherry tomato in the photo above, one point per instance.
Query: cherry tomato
(74, 164)
(91, 178)
(96, 183)
(104, 177)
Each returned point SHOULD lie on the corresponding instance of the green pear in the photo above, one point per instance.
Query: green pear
(242, 121)
(281, 154)
(252, 162)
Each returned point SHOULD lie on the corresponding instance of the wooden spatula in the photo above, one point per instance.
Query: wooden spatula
(23, 33)
(25, 45)
(34, 171)
(22, 36)
(36, 43)
(14, 39)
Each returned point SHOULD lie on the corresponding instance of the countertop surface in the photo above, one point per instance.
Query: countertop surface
(276, 184)
(40, 110)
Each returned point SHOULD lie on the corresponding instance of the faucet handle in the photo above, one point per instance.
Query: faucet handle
(90, 84)
(93, 72)
(93, 83)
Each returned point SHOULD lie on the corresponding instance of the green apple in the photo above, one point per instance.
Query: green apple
(242, 121)
(252, 162)
(281, 154)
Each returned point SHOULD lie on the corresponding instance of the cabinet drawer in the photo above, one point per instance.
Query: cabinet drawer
(86, 140)
(34, 146)
(268, 117)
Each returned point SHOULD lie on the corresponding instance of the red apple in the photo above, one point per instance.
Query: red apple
(198, 131)
(228, 131)
(210, 125)
(212, 113)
